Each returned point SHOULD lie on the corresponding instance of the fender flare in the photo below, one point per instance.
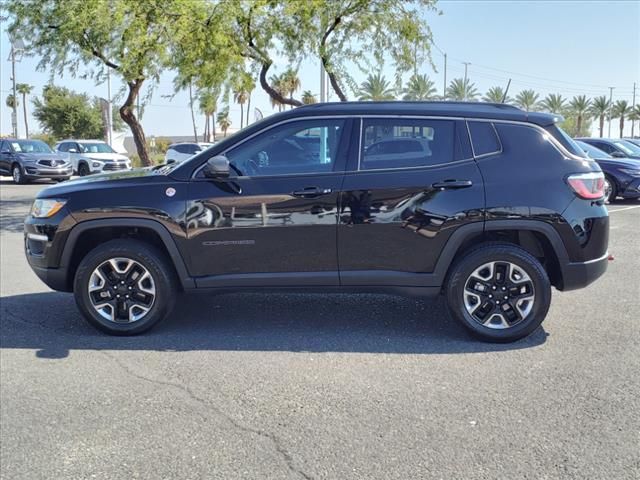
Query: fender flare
(176, 259)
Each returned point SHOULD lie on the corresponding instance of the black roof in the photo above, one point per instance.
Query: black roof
(497, 111)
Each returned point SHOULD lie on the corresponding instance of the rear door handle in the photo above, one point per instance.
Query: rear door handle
(311, 192)
(452, 184)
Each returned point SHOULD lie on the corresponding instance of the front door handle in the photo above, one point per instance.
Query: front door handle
(311, 192)
(452, 184)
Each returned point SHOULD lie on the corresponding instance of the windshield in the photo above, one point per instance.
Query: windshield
(95, 147)
(566, 141)
(30, 146)
(592, 151)
(627, 147)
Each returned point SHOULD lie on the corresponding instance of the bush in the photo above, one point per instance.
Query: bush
(47, 138)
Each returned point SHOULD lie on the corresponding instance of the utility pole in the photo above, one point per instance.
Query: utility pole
(109, 110)
(14, 111)
(466, 64)
(633, 104)
(610, 105)
(444, 87)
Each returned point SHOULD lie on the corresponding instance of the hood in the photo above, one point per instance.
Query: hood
(619, 162)
(104, 181)
(105, 156)
(40, 156)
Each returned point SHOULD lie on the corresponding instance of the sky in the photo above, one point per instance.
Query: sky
(566, 47)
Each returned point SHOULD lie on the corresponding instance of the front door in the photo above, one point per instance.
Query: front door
(274, 221)
(413, 182)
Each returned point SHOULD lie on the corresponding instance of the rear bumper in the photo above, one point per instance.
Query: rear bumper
(579, 275)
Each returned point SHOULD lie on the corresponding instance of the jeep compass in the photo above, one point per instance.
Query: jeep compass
(485, 203)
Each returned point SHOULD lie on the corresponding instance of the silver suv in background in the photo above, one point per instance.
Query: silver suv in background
(28, 160)
(92, 156)
(178, 152)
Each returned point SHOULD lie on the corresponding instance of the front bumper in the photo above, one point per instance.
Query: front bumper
(632, 190)
(580, 274)
(38, 171)
(108, 167)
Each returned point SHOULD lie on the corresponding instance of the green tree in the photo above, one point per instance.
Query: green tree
(527, 100)
(24, 89)
(308, 97)
(11, 101)
(599, 109)
(224, 121)
(462, 90)
(277, 84)
(375, 88)
(419, 87)
(63, 113)
(621, 110)
(208, 101)
(553, 103)
(290, 82)
(134, 39)
(579, 107)
(495, 95)
(634, 116)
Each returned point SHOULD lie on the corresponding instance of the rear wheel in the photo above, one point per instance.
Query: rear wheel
(124, 287)
(610, 189)
(499, 292)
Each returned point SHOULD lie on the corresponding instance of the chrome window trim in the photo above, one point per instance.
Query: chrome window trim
(557, 145)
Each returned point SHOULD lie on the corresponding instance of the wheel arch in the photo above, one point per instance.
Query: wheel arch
(86, 235)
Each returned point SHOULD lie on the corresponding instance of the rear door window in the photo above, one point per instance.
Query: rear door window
(406, 143)
(484, 138)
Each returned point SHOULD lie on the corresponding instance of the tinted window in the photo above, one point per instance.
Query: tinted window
(30, 146)
(484, 137)
(604, 146)
(566, 141)
(402, 143)
(305, 146)
(592, 151)
(95, 147)
(4, 146)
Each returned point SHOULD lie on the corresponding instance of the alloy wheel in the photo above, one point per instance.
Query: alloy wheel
(121, 290)
(607, 189)
(17, 174)
(499, 295)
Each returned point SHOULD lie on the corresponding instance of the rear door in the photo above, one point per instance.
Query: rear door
(397, 210)
(274, 221)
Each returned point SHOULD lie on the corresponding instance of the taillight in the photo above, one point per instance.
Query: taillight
(589, 186)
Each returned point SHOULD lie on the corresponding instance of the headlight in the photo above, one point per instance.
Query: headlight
(96, 164)
(45, 208)
(634, 172)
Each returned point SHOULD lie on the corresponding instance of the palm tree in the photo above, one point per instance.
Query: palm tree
(462, 90)
(579, 105)
(495, 95)
(599, 109)
(621, 110)
(224, 121)
(375, 88)
(634, 116)
(419, 87)
(208, 105)
(553, 103)
(24, 89)
(278, 84)
(527, 100)
(249, 85)
(290, 82)
(308, 97)
(240, 96)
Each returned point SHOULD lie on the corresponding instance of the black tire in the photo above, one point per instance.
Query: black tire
(18, 174)
(83, 170)
(503, 253)
(614, 189)
(149, 258)
(62, 179)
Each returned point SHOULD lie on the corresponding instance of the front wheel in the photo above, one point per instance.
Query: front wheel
(18, 175)
(499, 292)
(124, 287)
(610, 189)
(83, 170)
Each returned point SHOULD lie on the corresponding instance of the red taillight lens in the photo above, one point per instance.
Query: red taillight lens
(587, 185)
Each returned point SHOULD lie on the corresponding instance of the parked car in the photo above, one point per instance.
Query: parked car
(93, 156)
(502, 207)
(179, 152)
(621, 175)
(618, 148)
(27, 160)
(635, 141)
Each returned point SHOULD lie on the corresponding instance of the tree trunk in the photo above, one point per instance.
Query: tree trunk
(579, 125)
(601, 125)
(241, 115)
(205, 134)
(24, 109)
(621, 126)
(248, 107)
(213, 125)
(334, 82)
(126, 113)
(272, 92)
(193, 115)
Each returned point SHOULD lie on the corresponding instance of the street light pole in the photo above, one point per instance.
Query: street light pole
(633, 104)
(14, 112)
(466, 64)
(610, 105)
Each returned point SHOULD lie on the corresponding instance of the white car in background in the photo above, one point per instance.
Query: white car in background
(179, 152)
(92, 156)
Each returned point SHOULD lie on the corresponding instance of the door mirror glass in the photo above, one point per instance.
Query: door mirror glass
(217, 167)
(73, 150)
(617, 154)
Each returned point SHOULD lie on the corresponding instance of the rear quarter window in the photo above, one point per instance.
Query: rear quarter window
(484, 138)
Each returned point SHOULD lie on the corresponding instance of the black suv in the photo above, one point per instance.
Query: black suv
(486, 203)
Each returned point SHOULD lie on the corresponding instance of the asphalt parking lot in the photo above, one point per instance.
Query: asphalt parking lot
(313, 386)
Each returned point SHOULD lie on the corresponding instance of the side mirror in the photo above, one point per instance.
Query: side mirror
(73, 150)
(617, 154)
(217, 167)
(6, 152)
